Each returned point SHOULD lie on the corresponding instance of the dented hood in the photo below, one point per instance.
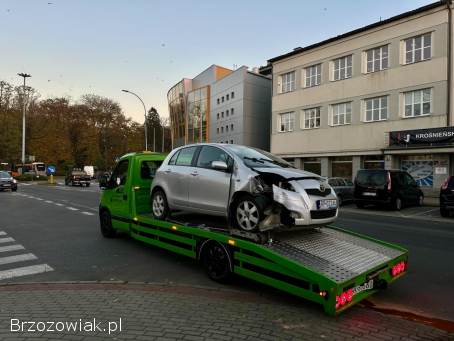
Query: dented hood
(287, 173)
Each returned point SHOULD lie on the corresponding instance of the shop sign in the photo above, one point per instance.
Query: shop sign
(427, 137)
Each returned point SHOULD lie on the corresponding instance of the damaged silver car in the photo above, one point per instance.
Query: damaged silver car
(253, 189)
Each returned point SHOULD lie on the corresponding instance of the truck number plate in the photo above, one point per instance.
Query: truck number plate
(369, 194)
(366, 286)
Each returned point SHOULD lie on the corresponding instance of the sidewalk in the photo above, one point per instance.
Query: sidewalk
(168, 312)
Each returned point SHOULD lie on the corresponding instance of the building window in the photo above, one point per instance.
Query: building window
(218, 101)
(231, 111)
(341, 114)
(231, 127)
(376, 109)
(312, 75)
(231, 141)
(222, 114)
(232, 95)
(417, 103)
(286, 121)
(222, 99)
(217, 130)
(342, 68)
(222, 130)
(311, 118)
(226, 129)
(288, 81)
(377, 59)
(227, 112)
(418, 48)
(218, 116)
(227, 97)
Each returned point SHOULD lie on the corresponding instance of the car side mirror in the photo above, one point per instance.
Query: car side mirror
(103, 181)
(219, 165)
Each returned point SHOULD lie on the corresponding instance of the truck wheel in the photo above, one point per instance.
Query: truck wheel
(106, 225)
(159, 205)
(444, 211)
(216, 261)
(247, 213)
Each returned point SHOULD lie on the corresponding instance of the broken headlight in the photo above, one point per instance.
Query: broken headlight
(257, 185)
(287, 186)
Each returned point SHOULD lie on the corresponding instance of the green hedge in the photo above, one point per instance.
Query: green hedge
(30, 177)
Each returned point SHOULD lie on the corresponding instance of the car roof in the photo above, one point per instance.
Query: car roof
(149, 155)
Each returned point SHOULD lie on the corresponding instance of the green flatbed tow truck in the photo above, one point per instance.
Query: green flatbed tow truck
(329, 265)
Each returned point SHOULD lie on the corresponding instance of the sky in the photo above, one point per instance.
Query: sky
(78, 47)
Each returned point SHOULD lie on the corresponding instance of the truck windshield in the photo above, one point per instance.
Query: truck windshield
(253, 157)
(40, 167)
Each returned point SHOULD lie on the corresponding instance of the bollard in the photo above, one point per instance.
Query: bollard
(51, 179)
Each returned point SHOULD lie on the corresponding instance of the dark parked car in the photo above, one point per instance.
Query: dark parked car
(343, 188)
(447, 197)
(77, 177)
(7, 182)
(393, 188)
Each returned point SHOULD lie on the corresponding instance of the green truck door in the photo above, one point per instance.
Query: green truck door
(120, 196)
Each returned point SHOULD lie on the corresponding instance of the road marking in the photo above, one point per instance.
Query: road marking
(24, 271)
(58, 204)
(41, 199)
(2, 233)
(72, 208)
(49, 201)
(11, 248)
(87, 213)
(6, 240)
(18, 258)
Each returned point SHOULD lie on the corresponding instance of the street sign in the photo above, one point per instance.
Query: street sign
(51, 169)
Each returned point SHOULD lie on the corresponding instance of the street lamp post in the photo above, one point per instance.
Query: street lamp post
(145, 113)
(25, 76)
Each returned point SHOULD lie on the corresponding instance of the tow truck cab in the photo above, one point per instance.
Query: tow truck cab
(133, 173)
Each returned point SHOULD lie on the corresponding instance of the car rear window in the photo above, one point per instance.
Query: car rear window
(371, 177)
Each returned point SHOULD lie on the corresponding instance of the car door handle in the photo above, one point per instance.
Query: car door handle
(194, 173)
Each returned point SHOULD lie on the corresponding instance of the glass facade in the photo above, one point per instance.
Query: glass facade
(189, 114)
(176, 100)
(198, 109)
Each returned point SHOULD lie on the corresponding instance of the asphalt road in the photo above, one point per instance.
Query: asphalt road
(57, 228)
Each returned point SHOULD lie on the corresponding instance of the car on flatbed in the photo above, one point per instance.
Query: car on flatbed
(328, 265)
(253, 189)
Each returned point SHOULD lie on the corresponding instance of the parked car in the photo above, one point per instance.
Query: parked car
(343, 188)
(254, 189)
(447, 197)
(77, 177)
(7, 182)
(393, 188)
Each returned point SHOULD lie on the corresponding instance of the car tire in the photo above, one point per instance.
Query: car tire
(444, 212)
(420, 200)
(397, 204)
(88, 185)
(247, 214)
(159, 205)
(216, 261)
(105, 221)
(339, 201)
(14, 189)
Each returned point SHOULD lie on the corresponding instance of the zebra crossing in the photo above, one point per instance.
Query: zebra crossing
(16, 262)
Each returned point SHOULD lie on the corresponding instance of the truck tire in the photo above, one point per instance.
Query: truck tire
(159, 205)
(106, 224)
(247, 213)
(216, 261)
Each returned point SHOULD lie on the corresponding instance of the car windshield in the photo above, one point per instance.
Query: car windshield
(253, 157)
(4, 175)
(371, 178)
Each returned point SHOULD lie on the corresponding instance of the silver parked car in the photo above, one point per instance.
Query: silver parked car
(254, 189)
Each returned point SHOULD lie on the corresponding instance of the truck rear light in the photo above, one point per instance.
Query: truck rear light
(398, 268)
(344, 298)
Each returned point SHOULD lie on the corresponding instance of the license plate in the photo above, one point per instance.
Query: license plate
(366, 286)
(369, 194)
(326, 204)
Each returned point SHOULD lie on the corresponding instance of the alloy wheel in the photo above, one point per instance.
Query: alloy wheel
(158, 205)
(247, 215)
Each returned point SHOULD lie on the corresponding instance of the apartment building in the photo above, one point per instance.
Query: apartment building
(376, 97)
(222, 105)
